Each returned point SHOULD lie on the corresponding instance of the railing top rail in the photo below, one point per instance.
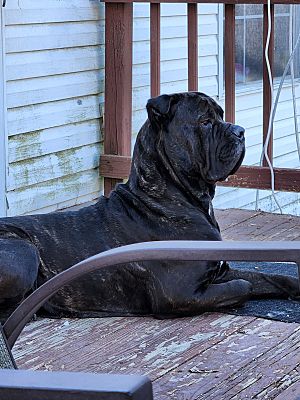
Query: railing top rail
(207, 1)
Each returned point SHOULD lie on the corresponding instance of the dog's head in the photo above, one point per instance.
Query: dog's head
(194, 138)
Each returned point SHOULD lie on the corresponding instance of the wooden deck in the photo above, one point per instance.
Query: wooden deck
(213, 356)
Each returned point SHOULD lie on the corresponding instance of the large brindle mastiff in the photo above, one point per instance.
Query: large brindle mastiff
(181, 151)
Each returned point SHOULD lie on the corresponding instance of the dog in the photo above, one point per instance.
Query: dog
(181, 152)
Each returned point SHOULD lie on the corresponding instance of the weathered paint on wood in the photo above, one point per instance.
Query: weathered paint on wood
(144, 344)
(236, 367)
(211, 355)
(56, 165)
(51, 195)
(56, 139)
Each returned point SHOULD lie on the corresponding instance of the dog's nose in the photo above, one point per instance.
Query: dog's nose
(238, 131)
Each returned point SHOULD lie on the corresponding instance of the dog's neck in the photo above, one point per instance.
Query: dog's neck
(153, 178)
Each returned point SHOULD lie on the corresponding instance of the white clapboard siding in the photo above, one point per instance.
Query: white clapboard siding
(20, 12)
(251, 97)
(289, 202)
(36, 170)
(249, 114)
(54, 62)
(42, 90)
(52, 140)
(53, 192)
(54, 93)
(62, 112)
(53, 36)
(71, 205)
(281, 129)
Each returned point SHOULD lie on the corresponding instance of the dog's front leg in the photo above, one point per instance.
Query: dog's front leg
(265, 285)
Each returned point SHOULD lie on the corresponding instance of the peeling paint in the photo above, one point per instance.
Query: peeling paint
(163, 350)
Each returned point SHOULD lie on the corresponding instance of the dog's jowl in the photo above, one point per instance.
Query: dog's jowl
(181, 151)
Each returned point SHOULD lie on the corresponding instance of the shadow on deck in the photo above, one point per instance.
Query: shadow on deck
(213, 356)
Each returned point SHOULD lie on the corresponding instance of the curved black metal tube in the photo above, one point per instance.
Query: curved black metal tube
(164, 250)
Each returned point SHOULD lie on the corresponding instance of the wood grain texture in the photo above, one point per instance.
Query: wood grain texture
(112, 166)
(192, 15)
(229, 62)
(286, 179)
(155, 49)
(118, 81)
(257, 225)
(232, 367)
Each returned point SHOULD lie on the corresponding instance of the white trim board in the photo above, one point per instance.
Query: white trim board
(3, 120)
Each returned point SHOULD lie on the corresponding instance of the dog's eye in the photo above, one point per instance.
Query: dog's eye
(206, 122)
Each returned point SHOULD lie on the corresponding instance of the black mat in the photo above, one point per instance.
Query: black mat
(276, 309)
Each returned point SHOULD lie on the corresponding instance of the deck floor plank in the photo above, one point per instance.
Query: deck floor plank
(258, 226)
(144, 346)
(212, 356)
(233, 366)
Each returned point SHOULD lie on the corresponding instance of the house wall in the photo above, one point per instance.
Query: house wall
(3, 135)
(53, 59)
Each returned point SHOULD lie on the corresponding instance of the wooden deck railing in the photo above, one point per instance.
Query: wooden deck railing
(115, 162)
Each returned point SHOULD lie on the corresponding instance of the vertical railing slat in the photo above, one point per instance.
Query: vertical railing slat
(118, 82)
(155, 48)
(192, 12)
(267, 96)
(229, 60)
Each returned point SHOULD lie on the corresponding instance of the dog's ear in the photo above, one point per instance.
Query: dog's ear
(158, 109)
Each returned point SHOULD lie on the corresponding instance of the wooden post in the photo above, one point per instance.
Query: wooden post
(155, 48)
(229, 58)
(267, 97)
(192, 46)
(118, 82)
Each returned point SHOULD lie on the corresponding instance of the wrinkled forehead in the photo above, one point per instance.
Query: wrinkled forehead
(196, 105)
